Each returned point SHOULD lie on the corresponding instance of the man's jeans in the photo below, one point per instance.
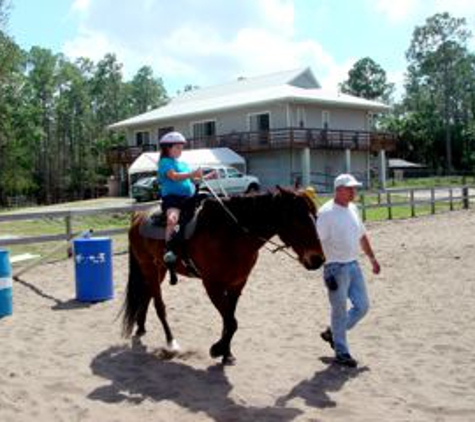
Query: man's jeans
(350, 284)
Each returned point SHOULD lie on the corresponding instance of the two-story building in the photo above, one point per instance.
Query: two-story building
(287, 127)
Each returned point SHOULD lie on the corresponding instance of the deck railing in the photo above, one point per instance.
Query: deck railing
(242, 142)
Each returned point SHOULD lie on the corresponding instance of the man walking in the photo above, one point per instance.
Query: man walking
(342, 233)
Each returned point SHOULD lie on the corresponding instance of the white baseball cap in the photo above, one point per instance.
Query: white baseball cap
(172, 138)
(347, 181)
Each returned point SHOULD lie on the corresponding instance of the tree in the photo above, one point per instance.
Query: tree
(146, 91)
(367, 79)
(437, 58)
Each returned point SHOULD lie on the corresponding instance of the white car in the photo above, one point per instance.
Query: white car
(229, 181)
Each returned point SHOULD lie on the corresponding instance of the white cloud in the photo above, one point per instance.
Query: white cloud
(200, 42)
(457, 8)
(396, 11)
(81, 5)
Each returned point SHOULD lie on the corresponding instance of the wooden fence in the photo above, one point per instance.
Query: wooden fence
(67, 216)
(390, 199)
(414, 197)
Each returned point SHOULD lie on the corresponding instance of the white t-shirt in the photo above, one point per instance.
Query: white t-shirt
(340, 230)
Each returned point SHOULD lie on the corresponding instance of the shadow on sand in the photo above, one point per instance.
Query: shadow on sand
(315, 391)
(136, 374)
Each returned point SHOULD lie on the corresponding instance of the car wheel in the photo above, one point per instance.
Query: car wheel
(253, 188)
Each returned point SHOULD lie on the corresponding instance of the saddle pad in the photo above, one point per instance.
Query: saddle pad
(151, 230)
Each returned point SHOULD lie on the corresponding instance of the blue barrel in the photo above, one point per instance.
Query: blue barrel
(5, 284)
(93, 268)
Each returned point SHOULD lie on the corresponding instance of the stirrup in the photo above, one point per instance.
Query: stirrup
(169, 258)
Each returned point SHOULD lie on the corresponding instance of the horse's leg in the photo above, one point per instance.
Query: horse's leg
(225, 301)
(159, 275)
(141, 317)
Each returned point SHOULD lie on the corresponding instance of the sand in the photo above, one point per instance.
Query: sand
(61, 360)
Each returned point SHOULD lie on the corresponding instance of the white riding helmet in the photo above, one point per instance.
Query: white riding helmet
(171, 138)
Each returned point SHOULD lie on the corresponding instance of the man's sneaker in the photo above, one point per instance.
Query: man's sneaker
(328, 337)
(169, 258)
(345, 359)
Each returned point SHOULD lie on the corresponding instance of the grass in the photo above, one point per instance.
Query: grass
(429, 182)
(52, 226)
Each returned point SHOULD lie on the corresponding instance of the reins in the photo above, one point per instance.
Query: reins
(278, 247)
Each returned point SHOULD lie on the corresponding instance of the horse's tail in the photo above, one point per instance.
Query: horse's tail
(136, 296)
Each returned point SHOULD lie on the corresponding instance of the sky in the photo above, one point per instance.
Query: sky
(208, 42)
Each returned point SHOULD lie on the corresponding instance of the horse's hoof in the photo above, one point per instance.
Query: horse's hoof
(216, 350)
(140, 332)
(229, 360)
(173, 347)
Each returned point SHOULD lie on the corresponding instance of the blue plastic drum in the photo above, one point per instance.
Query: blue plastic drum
(93, 268)
(5, 284)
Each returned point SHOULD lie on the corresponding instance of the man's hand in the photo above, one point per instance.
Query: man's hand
(376, 266)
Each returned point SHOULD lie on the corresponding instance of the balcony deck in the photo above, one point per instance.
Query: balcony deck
(248, 142)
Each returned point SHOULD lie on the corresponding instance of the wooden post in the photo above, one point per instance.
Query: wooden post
(363, 206)
(69, 233)
(413, 205)
(465, 198)
(379, 197)
(390, 209)
(451, 199)
(432, 200)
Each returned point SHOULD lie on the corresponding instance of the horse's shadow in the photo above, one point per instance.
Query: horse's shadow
(315, 391)
(137, 375)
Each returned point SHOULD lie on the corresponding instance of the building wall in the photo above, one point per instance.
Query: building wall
(340, 119)
(282, 115)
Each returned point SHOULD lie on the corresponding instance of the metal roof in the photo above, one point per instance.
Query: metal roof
(295, 86)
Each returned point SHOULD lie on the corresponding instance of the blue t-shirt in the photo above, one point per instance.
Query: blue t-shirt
(172, 187)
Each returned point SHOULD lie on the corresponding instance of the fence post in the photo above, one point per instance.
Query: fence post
(363, 206)
(451, 199)
(465, 198)
(388, 204)
(413, 205)
(69, 231)
(432, 200)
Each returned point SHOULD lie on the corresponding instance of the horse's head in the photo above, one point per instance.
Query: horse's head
(296, 217)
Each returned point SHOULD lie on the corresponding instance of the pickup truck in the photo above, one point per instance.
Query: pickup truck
(228, 180)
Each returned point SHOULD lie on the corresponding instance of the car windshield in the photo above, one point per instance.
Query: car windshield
(232, 172)
(146, 181)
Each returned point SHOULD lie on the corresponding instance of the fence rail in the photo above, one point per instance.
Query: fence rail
(391, 199)
(68, 216)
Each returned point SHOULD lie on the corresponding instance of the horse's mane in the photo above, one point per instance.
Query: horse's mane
(253, 211)
(249, 210)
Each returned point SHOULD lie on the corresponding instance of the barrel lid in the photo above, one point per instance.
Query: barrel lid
(93, 239)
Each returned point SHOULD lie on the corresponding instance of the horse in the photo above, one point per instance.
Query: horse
(223, 248)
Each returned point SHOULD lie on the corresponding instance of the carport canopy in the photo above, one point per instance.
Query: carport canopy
(148, 161)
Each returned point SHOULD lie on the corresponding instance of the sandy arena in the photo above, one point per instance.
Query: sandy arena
(65, 361)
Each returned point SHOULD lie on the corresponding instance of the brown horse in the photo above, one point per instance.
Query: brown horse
(224, 249)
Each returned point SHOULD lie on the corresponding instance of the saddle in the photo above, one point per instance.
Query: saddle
(154, 224)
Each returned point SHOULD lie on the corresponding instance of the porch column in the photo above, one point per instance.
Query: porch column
(305, 167)
(382, 168)
(347, 160)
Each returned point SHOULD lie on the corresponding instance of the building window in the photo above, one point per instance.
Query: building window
(142, 138)
(300, 117)
(204, 129)
(325, 119)
(164, 130)
(259, 122)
